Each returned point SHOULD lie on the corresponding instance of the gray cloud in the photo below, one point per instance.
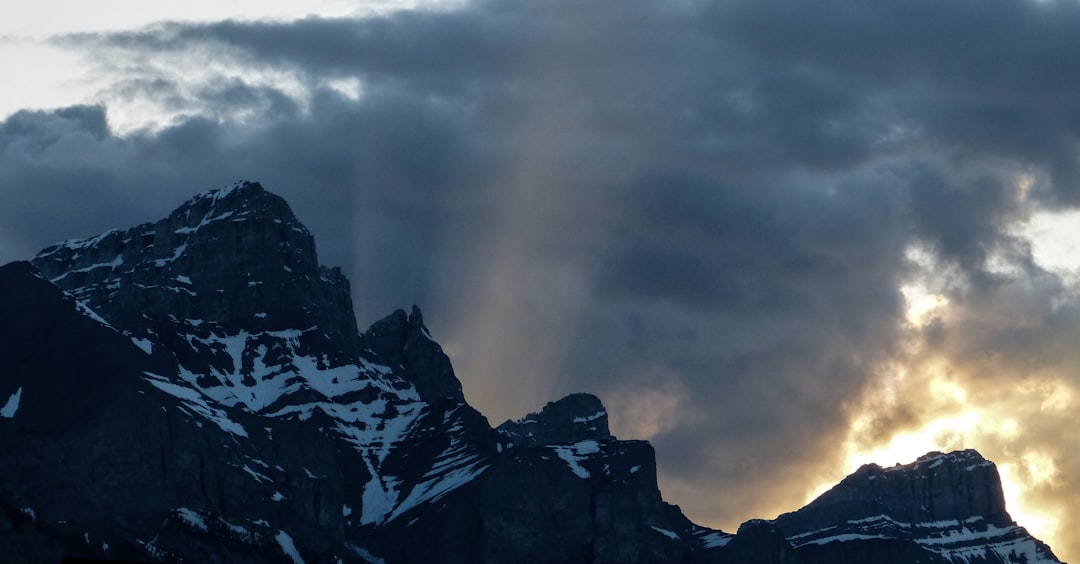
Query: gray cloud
(701, 211)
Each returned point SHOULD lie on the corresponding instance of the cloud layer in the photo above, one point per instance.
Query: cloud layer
(704, 212)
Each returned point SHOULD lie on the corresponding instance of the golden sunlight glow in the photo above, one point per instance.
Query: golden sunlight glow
(1057, 398)
(921, 304)
(1038, 522)
(945, 433)
(1008, 428)
(948, 389)
(961, 424)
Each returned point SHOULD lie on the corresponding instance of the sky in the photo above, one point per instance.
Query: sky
(778, 239)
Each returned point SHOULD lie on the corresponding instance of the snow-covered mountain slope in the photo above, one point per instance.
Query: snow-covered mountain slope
(229, 290)
(196, 389)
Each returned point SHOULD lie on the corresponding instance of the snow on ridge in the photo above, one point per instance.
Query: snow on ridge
(669, 534)
(85, 310)
(842, 538)
(288, 547)
(206, 220)
(176, 254)
(195, 401)
(146, 345)
(959, 541)
(12, 405)
(378, 498)
(434, 490)
(77, 244)
(267, 382)
(715, 539)
(455, 467)
(192, 518)
(573, 455)
(592, 417)
(118, 261)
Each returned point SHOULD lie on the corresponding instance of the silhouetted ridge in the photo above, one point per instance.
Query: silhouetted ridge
(949, 504)
(574, 418)
(226, 261)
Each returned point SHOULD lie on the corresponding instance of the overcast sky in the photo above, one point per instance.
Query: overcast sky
(778, 239)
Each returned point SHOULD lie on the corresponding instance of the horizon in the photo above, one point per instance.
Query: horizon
(777, 243)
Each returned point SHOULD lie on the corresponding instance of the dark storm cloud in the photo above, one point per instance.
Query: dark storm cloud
(700, 211)
(344, 168)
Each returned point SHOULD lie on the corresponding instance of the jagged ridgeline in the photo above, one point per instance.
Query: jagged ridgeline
(196, 390)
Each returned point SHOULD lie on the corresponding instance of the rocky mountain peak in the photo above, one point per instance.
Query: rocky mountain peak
(576, 417)
(227, 261)
(936, 487)
(948, 504)
(402, 339)
(237, 200)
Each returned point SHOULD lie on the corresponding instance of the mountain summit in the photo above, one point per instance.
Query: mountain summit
(196, 389)
(231, 260)
(942, 507)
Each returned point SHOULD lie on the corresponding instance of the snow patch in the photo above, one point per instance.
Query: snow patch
(192, 518)
(592, 417)
(208, 219)
(378, 500)
(111, 265)
(716, 539)
(669, 534)
(12, 405)
(144, 344)
(286, 543)
(193, 400)
(574, 454)
(176, 254)
(85, 310)
(258, 477)
(435, 489)
(844, 538)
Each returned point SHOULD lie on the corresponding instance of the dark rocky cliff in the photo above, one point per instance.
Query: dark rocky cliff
(576, 417)
(234, 259)
(942, 507)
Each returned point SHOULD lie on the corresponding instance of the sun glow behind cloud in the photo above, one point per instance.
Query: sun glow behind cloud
(930, 401)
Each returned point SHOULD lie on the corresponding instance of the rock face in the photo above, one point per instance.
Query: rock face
(759, 542)
(195, 389)
(109, 462)
(234, 259)
(576, 417)
(942, 507)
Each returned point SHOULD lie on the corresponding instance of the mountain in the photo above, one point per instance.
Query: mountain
(196, 389)
(940, 508)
